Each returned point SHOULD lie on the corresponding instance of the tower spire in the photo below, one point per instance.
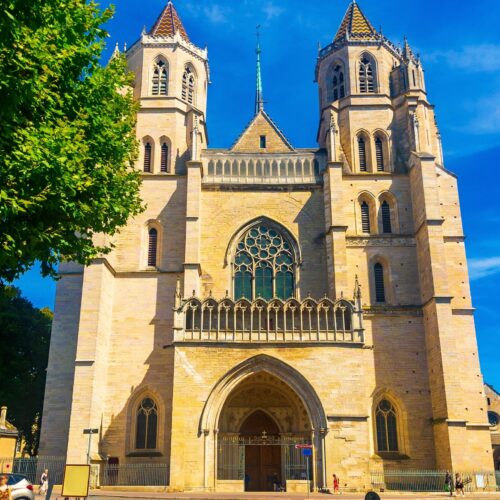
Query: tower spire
(259, 101)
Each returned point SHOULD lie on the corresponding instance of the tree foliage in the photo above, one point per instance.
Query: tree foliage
(67, 141)
(24, 353)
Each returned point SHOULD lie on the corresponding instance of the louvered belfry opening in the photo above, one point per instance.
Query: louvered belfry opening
(152, 247)
(160, 79)
(164, 158)
(147, 157)
(379, 154)
(365, 217)
(362, 154)
(386, 217)
(366, 77)
(378, 272)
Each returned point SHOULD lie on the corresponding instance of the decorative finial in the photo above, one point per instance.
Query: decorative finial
(125, 47)
(144, 31)
(259, 101)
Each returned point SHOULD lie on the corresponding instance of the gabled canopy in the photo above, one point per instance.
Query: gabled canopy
(169, 23)
(355, 25)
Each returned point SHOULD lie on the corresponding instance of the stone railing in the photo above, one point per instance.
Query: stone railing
(261, 169)
(272, 321)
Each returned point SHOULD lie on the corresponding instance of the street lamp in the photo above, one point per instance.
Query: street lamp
(90, 432)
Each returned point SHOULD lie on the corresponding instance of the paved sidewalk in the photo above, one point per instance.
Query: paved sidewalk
(117, 495)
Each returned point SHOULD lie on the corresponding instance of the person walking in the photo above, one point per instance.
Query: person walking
(448, 483)
(336, 482)
(459, 484)
(44, 482)
(5, 493)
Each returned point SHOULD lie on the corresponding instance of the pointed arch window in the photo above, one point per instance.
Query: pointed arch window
(365, 217)
(338, 83)
(387, 428)
(362, 154)
(152, 247)
(160, 79)
(366, 76)
(386, 217)
(378, 277)
(146, 425)
(188, 84)
(148, 150)
(164, 157)
(379, 154)
(264, 265)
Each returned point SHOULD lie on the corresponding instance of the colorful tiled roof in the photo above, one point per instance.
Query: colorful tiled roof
(355, 25)
(169, 23)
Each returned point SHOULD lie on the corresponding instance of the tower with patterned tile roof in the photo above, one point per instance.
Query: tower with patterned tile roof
(377, 123)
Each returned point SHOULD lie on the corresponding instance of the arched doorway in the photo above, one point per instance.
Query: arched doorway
(262, 462)
(259, 425)
(264, 383)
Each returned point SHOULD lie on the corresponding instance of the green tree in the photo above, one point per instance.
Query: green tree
(67, 141)
(24, 353)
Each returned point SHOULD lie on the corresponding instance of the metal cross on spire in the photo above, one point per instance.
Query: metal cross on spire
(259, 100)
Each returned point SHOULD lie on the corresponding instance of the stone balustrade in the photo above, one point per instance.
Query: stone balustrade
(223, 167)
(268, 321)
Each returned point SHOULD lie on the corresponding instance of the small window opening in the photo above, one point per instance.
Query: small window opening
(147, 157)
(379, 154)
(365, 217)
(262, 142)
(362, 154)
(386, 217)
(378, 271)
(164, 157)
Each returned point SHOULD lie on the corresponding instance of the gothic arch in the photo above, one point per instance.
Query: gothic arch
(366, 55)
(211, 412)
(401, 418)
(231, 247)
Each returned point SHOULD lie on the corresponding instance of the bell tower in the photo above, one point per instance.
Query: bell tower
(171, 80)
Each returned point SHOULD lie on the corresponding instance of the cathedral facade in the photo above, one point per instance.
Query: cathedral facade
(273, 299)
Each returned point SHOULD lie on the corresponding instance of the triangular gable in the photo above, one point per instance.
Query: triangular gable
(262, 125)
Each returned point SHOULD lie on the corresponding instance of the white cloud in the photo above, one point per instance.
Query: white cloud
(215, 13)
(271, 10)
(472, 58)
(481, 268)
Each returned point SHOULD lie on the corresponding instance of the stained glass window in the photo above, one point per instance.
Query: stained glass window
(387, 434)
(264, 265)
(147, 425)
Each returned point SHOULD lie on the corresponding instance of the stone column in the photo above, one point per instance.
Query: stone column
(335, 230)
(89, 386)
(192, 252)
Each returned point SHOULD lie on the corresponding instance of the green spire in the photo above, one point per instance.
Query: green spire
(259, 101)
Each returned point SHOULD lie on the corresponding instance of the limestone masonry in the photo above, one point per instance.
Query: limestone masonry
(271, 296)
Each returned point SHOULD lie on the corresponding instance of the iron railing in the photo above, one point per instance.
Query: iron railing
(32, 467)
(432, 480)
(134, 475)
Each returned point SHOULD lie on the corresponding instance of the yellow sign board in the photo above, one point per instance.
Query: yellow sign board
(76, 481)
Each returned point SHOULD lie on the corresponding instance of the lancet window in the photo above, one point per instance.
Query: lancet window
(387, 432)
(264, 265)
(160, 79)
(366, 76)
(146, 425)
(188, 83)
(338, 83)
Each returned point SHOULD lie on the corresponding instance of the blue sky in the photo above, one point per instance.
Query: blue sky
(459, 43)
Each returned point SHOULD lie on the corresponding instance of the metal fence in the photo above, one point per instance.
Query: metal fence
(33, 467)
(134, 475)
(432, 480)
